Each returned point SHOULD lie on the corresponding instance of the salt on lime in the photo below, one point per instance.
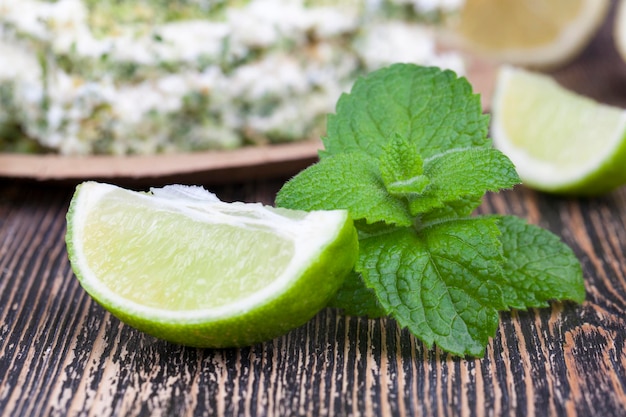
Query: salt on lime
(183, 266)
(559, 141)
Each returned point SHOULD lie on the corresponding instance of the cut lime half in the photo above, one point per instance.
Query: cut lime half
(181, 265)
(559, 141)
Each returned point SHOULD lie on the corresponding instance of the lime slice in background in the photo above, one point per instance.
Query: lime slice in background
(559, 141)
(526, 32)
(183, 266)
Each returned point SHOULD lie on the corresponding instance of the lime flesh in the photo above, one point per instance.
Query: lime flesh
(206, 273)
(528, 32)
(559, 141)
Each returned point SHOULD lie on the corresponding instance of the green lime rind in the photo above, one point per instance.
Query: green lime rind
(561, 142)
(610, 175)
(273, 317)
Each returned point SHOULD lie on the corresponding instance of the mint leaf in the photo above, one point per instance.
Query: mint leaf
(407, 154)
(400, 161)
(465, 172)
(463, 207)
(401, 167)
(538, 266)
(432, 108)
(355, 299)
(438, 282)
(346, 181)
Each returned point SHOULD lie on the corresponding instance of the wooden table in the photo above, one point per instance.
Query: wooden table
(62, 354)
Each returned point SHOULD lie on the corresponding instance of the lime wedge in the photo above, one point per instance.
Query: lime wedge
(183, 266)
(527, 32)
(559, 141)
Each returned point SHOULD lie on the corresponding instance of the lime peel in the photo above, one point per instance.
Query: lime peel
(324, 251)
(559, 141)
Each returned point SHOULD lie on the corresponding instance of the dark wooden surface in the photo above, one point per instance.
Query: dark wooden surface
(61, 354)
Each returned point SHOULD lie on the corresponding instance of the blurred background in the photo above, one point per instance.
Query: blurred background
(144, 77)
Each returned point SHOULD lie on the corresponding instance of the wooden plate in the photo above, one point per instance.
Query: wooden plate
(198, 167)
(243, 164)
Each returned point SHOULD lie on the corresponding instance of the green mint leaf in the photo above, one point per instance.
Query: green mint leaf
(466, 172)
(401, 167)
(400, 160)
(463, 207)
(346, 181)
(408, 187)
(407, 154)
(538, 266)
(438, 282)
(432, 108)
(355, 299)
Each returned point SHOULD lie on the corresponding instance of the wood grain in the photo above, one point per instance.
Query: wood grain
(62, 354)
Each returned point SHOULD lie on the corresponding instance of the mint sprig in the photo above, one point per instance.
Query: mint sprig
(407, 154)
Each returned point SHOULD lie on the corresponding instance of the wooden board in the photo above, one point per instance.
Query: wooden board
(61, 354)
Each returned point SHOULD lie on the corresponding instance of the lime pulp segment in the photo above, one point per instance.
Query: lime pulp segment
(557, 139)
(183, 266)
(189, 273)
(189, 258)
